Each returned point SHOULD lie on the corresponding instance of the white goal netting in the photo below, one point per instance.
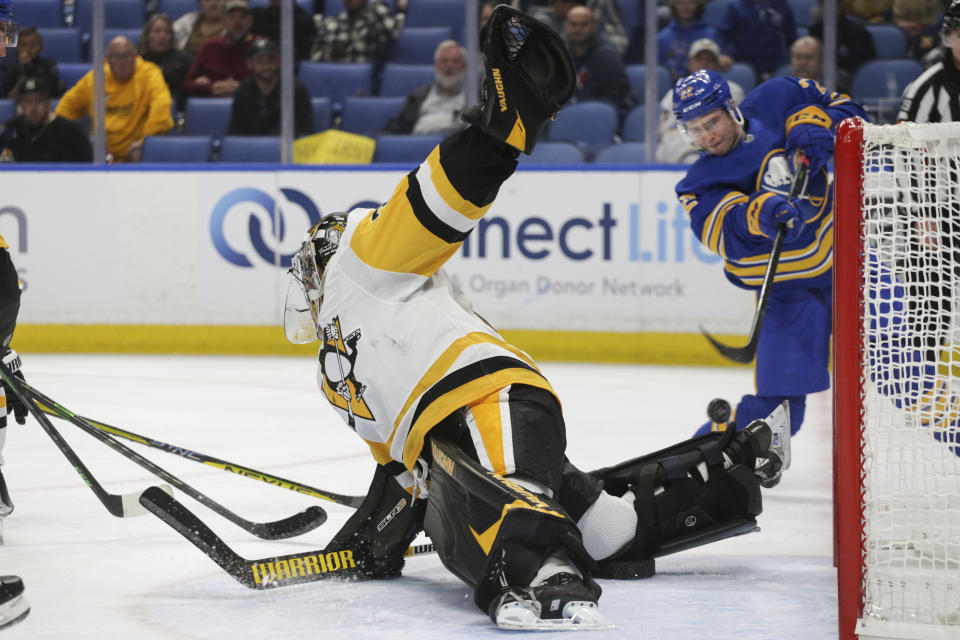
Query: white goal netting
(910, 358)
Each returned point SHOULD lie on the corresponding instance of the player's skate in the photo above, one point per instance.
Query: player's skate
(562, 602)
(13, 607)
(767, 441)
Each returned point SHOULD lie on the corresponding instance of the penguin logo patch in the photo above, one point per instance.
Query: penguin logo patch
(337, 357)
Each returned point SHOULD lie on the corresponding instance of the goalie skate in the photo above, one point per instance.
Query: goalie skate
(13, 607)
(560, 603)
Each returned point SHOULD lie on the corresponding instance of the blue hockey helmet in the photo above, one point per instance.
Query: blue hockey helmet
(700, 93)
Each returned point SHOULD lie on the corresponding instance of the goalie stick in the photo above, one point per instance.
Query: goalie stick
(124, 505)
(247, 472)
(294, 525)
(746, 353)
(264, 573)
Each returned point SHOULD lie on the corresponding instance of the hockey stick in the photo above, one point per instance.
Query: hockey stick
(265, 573)
(294, 525)
(196, 456)
(123, 505)
(746, 353)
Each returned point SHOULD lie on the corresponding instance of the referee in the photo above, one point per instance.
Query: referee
(935, 95)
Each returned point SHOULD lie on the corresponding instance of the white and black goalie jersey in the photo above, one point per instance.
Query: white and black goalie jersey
(401, 348)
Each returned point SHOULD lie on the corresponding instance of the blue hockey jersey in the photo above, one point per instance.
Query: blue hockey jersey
(716, 188)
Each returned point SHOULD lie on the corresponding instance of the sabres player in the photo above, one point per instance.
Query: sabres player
(467, 433)
(736, 198)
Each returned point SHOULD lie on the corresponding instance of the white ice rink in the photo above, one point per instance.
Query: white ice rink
(90, 575)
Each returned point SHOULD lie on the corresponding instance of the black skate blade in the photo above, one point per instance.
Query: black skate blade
(626, 569)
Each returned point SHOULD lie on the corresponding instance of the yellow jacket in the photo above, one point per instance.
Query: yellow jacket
(136, 109)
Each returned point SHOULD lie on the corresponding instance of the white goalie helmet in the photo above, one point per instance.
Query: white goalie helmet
(305, 292)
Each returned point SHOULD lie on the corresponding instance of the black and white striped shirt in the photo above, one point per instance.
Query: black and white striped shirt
(934, 96)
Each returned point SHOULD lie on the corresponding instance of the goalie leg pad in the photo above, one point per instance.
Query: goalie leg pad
(687, 495)
(381, 530)
(489, 530)
(527, 77)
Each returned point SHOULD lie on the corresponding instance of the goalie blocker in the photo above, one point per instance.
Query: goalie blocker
(492, 531)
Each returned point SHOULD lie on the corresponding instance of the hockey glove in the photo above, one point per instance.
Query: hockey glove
(809, 130)
(11, 359)
(767, 211)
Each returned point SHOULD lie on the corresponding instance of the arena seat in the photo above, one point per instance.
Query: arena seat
(250, 149)
(406, 149)
(743, 75)
(368, 115)
(336, 80)
(438, 13)
(634, 125)
(71, 72)
(39, 13)
(888, 40)
(714, 11)
(637, 74)
(623, 153)
(132, 34)
(802, 12)
(590, 124)
(176, 8)
(8, 109)
(118, 14)
(207, 116)
(401, 79)
(63, 45)
(416, 45)
(176, 148)
(321, 113)
(547, 152)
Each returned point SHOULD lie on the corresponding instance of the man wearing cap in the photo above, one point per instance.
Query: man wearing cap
(39, 135)
(137, 105)
(221, 63)
(598, 64)
(256, 103)
(673, 147)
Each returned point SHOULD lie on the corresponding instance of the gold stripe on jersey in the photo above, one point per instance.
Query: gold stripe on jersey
(753, 214)
(812, 115)
(811, 261)
(442, 365)
(395, 239)
(713, 225)
(451, 197)
(463, 396)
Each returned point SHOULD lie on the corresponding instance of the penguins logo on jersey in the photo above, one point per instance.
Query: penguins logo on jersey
(337, 358)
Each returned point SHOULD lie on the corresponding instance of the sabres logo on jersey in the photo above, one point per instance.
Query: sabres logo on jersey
(337, 357)
(775, 176)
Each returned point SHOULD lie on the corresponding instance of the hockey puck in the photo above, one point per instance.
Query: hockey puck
(718, 410)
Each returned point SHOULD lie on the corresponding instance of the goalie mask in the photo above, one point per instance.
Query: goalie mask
(305, 291)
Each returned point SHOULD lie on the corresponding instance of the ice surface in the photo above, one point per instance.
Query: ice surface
(90, 575)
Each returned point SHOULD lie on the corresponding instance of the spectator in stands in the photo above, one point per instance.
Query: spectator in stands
(266, 23)
(256, 103)
(605, 12)
(854, 43)
(686, 27)
(363, 32)
(806, 58)
(871, 11)
(156, 46)
(221, 64)
(193, 29)
(673, 147)
(758, 32)
(39, 135)
(137, 105)
(29, 63)
(435, 108)
(920, 22)
(933, 96)
(599, 67)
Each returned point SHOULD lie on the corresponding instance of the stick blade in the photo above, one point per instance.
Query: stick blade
(743, 355)
(130, 502)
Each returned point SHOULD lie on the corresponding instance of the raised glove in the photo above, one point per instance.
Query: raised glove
(767, 211)
(11, 360)
(809, 130)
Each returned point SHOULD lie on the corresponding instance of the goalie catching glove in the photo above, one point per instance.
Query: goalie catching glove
(527, 77)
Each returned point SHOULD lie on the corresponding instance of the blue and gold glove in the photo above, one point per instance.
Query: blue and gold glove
(767, 211)
(809, 129)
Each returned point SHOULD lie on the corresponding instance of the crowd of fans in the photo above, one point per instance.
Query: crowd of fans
(228, 49)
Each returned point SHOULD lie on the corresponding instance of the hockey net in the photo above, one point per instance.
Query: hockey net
(897, 380)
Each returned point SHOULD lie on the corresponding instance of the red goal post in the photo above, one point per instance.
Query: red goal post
(896, 402)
